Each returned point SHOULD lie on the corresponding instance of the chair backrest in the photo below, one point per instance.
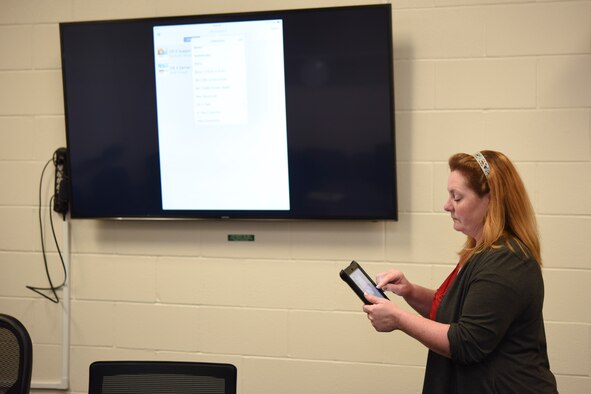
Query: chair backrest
(16, 356)
(161, 377)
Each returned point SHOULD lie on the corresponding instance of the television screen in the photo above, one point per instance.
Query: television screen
(263, 115)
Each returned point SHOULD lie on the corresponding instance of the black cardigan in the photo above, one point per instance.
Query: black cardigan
(496, 334)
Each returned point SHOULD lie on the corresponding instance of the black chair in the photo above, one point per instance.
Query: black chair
(16, 356)
(161, 377)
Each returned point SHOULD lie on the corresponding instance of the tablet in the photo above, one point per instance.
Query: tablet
(360, 282)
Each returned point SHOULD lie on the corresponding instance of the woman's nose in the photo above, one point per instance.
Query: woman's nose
(447, 205)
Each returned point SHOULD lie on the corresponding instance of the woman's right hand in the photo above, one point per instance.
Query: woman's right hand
(418, 297)
(394, 281)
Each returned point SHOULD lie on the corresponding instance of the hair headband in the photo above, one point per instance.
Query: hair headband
(482, 163)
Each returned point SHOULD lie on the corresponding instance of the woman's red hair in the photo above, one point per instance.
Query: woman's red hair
(510, 215)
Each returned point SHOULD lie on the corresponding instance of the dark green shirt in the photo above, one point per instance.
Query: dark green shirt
(496, 334)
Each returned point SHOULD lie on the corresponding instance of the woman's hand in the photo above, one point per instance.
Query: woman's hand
(382, 313)
(386, 316)
(394, 281)
(418, 297)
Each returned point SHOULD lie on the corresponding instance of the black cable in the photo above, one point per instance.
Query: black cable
(52, 288)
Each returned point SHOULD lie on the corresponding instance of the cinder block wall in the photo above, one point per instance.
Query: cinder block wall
(507, 75)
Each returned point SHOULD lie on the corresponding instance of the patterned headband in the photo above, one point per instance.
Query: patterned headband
(482, 162)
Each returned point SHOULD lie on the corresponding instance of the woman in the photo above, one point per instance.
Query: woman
(484, 326)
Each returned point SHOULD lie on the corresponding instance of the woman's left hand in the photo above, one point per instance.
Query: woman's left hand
(382, 313)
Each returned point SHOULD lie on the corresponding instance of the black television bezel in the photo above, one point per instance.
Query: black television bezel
(391, 184)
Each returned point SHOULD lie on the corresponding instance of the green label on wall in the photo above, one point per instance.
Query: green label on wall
(240, 237)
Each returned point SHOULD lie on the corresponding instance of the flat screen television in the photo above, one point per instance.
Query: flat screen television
(262, 115)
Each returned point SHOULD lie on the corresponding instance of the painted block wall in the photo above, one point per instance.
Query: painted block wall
(507, 75)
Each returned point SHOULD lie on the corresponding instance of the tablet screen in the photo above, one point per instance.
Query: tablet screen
(364, 283)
